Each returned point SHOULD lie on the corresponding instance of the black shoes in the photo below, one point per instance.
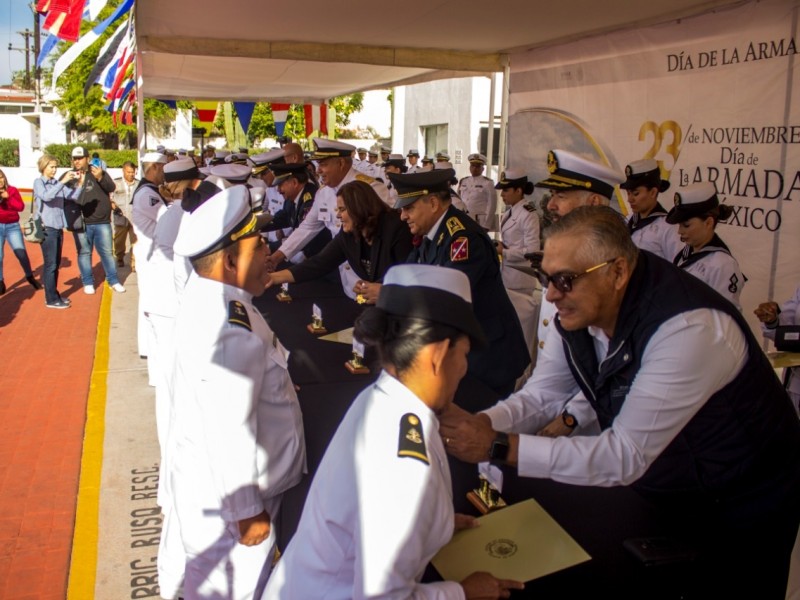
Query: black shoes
(36, 285)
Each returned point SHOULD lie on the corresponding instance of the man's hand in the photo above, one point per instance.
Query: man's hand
(555, 428)
(767, 312)
(480, 586)
(254, 530)
(368, 290)
(276, 258)
(466, 436)
(97, 172)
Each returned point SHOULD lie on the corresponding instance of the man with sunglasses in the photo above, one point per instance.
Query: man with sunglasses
(688, 410)
(236, 440)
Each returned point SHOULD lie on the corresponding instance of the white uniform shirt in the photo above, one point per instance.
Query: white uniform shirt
(519, 227)
(658, 237)
(372, 519)
(480, 197)
(236, 441)
(721, 271)
(148, 206)
(667, 392)
(274, 202)
(164, 299)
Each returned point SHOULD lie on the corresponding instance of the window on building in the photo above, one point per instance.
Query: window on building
(484, 145)
(435, 137)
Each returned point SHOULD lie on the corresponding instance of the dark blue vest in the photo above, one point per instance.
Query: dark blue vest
(745, 435)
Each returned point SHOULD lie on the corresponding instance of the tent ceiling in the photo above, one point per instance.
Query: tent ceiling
(313, 50)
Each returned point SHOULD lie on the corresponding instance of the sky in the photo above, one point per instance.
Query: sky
(15, 15)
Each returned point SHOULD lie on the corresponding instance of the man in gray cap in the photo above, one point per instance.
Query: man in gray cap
(236, 442)
(335, 166)
(413, 161)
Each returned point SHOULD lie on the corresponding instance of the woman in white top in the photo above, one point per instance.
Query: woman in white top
(697, 211)
(381, 505)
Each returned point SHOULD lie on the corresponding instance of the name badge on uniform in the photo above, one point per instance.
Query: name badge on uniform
(324, 215)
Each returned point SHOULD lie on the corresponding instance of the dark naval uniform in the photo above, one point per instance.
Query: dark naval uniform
(460, 243)
(294, 212)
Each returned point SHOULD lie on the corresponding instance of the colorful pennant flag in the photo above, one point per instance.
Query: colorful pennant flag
(107, 54)
(280, 112)
(316, 118)
(206, 113)
(62, 17)
(244, 110)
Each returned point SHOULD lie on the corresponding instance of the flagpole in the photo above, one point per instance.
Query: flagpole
(141, 135)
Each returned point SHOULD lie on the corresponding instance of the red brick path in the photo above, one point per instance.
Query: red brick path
(46, 360)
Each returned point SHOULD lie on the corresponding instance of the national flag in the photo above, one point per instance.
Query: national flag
(89, 38)
(316, 118)
(280, 112)
(107, 53)
(63, 18)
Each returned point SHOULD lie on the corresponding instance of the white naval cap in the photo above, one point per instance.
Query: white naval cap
(325, 148)
(361, 150)
(442, 155)
(372, 152)
(154, 157)
(397, 160)
(693, 201)
(514, 178)
(413, 152)
(478, 159)
(433, 293)
(237, 157)
(233, 172)
(265, 160)
(645, 172)
(181, 169)
(221, 154)
(221, 221)
(569, 171)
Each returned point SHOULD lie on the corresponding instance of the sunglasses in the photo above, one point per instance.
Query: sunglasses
(563, 281)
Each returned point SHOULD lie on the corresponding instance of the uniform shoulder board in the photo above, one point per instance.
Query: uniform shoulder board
(365, 178)
(454, 225)
(529, 207)
(307, 196)
(237, 315)
(412, 441)
(486, 178)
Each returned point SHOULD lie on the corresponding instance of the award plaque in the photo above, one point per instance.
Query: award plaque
(355, 364)
(486, 498)
(316, 327)
(283, 295)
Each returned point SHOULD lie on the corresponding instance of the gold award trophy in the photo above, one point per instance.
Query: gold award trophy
(354, 365)
(486, 498)
(316, 327)
(283, 295)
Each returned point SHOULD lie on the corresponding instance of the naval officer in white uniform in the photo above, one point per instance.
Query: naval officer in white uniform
(381, 504)
(236, 442)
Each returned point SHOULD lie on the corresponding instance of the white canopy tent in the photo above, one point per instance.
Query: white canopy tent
(313, 50)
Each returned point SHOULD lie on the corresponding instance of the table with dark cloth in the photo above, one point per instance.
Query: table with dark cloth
(599, 519)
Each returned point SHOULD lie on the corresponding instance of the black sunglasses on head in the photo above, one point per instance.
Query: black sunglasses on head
(563, 281)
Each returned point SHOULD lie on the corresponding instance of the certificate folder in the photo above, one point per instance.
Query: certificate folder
(520, 542)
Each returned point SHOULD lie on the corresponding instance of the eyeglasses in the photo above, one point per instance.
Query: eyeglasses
(563, 281)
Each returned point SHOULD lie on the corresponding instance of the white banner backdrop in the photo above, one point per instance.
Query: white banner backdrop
(712, 98)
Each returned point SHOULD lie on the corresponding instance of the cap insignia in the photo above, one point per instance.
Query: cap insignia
(552, 162)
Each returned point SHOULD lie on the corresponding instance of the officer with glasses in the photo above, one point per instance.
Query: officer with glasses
(687, 409)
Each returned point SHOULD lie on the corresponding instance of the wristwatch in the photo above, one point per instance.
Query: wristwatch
(569, 419)
(498, 452)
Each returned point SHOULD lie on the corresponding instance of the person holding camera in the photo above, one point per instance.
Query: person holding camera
(96, 186)
(11, 205)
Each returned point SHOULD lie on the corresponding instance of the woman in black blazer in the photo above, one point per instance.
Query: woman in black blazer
(372, 239)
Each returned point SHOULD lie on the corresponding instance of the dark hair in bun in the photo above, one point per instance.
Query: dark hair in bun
(399, 339)
(719, 213)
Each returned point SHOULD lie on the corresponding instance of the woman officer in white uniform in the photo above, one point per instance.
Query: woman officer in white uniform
(697, 211)
(381, 505)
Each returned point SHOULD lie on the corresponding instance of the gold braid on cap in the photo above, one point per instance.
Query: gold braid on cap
(414, 193)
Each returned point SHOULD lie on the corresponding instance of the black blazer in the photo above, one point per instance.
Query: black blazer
(390, 246)
(460, 243)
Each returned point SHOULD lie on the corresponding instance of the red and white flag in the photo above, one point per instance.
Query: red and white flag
(316, 118)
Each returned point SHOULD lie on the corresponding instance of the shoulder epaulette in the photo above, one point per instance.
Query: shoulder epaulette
(529, 207)
(454, 225)
(364, 177)
(307, 196)
(412, 440)
(237, 315)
